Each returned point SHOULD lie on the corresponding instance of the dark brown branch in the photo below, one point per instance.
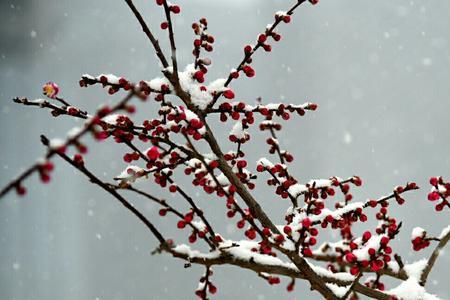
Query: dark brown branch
(227, 259)
(113, 192)
(51, 152)
(149, 34)
(56, 110)
(172, 41)
(164, 204)
(247, 56)
(191, 202)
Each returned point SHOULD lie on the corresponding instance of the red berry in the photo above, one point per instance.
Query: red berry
(21, 190)
(274, 280)
(173, 188)
(262, 38)
(366, 236)
(164, 25)
(287, 229)
(181, 224)
(433, 196)
(228, 94)
(350, 257)
(175, 9)
(153, 153)
(241, 164)
(287, 19)
(306, 222)
(434, 181)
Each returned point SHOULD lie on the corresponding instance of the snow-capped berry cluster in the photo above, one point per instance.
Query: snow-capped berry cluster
(439, 193)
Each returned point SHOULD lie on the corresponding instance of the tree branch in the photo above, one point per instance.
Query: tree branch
(433, 258)
(149, 34)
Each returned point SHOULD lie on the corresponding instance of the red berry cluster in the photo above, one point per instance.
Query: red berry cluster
(368, 254)
(44, 171)
(206, 285)
(439, 193)
(204, 40)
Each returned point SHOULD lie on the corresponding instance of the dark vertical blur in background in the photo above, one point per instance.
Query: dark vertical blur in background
(379, 71)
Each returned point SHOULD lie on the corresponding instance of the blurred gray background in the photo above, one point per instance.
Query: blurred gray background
(379, 71)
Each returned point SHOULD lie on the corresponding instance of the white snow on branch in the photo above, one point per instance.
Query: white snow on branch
(156, 83)
(444, 232)
(415, 269)
(130, 174)
(411, 290)
(339, 291)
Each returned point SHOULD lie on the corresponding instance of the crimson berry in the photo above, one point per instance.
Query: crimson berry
(21, 190)
(241, 164)
(181, 224)
(433, 196)
(164, 25)
(240, 224)
(307, 252)
(434, 181)
(228, 94)
(274, 280)
(350, 257)
(354, 270)
(306, 223)
(287, 229)
(267, 48)
(153, 153)
(366, 236)
(192, 238)
(234, 74)
(262, 38)
(287, 19)
(173, 188)
(251, 234)
(212, 288)
(175, 9)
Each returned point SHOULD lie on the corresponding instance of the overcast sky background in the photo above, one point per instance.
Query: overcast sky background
(379, 71)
